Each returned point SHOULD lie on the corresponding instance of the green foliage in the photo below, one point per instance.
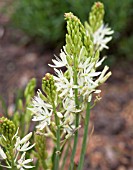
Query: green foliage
(44, 19)
(125, 46)
(39, 18)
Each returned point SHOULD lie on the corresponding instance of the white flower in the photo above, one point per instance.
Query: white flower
(101, 37)
(69, 106)
(23, 144)
(44, 118)
(38, 103)
(99, 63)
(42, 112)
(89, 80)
(69, 119)
(2, 154)
(64, 85)
(59, 62)
(69, 129)
(104, 75)
(22, 163)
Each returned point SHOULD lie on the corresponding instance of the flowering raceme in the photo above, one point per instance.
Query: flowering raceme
(65, 101)
(81, 57)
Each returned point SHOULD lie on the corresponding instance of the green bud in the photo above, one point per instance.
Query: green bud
(48, 86)
(7, 128)
(43, 97)
(77, 37)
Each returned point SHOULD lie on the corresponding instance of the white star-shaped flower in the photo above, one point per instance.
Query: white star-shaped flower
(22, 163)
(102, 37)
(69, 106)
(42, 112)
(23, 144)
(59, 61)
(63, 84)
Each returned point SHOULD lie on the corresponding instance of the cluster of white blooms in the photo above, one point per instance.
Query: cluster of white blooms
(42, 111)
(20, 148)
(102, 36)
(88, 78)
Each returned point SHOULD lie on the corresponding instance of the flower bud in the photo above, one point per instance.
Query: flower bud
(96, 16)
(7, 128)
(48, 86)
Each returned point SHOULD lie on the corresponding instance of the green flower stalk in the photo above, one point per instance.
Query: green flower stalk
(50, 89)
(75, 35)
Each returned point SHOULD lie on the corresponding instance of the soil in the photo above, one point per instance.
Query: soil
(110, 145)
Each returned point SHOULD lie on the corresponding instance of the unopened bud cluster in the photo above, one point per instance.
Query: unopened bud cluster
(76, 36)
(96, 16)
(7, 128)
(48, 86)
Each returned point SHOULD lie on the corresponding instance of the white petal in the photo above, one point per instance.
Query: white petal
(2, 154)
(26, 138)
(59, 115)
(27, 161)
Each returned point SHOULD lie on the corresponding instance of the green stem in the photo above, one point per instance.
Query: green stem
(12, 159)
(65, 156)
(56, 162)
(77, 117)
(75, 144)
(87, 118)
(43, 163)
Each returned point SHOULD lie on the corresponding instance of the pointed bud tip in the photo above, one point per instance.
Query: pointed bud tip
(47, 76)
(98, 4)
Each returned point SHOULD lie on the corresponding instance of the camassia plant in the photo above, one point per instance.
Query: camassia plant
(63, 103)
